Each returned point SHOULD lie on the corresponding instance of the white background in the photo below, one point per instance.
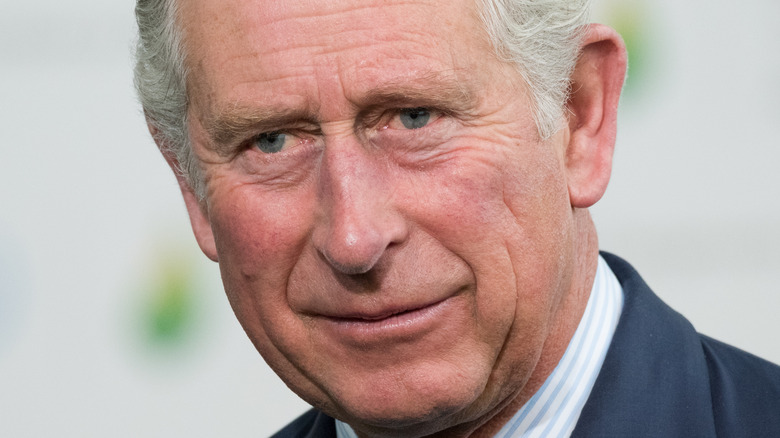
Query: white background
(88, 209)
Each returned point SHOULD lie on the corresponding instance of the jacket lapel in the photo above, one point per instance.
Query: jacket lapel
(654, 381)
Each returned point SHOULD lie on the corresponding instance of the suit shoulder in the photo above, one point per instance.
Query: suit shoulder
(311, 424)
(745, 390)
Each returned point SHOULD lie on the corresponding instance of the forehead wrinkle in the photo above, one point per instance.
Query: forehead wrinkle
(331, 11)
(357, 36)
(338, 27)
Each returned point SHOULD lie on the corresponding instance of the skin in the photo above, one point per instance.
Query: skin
(410, 282)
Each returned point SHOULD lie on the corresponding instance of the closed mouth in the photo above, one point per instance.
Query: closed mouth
(379, 316)
(400, 324)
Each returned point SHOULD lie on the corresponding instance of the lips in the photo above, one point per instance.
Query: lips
(375, 316)
(392, 324)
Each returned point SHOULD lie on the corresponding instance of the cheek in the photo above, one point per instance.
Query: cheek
(491, 199)
(259, 236)
(536, 198)
(258, 231)
(508, 220)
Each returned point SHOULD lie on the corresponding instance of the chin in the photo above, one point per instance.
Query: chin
(395, 410)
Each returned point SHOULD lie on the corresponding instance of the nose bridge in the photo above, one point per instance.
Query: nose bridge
(357, 222)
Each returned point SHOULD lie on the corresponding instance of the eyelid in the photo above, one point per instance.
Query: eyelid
(297, 131)
(435, 115)
(378, 116)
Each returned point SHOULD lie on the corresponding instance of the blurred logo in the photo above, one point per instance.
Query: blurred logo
(169, 318)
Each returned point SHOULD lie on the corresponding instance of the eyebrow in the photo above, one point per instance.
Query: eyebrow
(440, 91)
(233, 124)
(435, 90)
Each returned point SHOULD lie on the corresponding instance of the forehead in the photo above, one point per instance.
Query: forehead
(264, 50)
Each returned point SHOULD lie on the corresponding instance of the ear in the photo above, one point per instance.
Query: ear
(596, 84)
(197, 210)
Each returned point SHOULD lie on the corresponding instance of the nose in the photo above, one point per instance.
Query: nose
(357, 221)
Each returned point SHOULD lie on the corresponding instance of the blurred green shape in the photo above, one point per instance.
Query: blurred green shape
(633, 20)
(169, 309)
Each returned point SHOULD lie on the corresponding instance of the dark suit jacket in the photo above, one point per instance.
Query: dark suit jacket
(660, 379)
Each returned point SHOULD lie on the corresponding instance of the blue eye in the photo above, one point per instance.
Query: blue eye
(415, 118)
(271, 142)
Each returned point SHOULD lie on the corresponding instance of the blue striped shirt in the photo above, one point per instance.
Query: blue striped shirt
(555, 408)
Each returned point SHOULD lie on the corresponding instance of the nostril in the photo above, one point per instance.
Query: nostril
(354, 254)
(350, 269)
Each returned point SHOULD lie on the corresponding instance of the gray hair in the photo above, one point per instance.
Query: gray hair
(540, 37)
(161, 83)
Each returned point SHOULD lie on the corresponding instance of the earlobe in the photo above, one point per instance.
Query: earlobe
(596, 84)
(199, 220)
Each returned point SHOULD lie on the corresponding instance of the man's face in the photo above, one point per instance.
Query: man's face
(392, 234)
